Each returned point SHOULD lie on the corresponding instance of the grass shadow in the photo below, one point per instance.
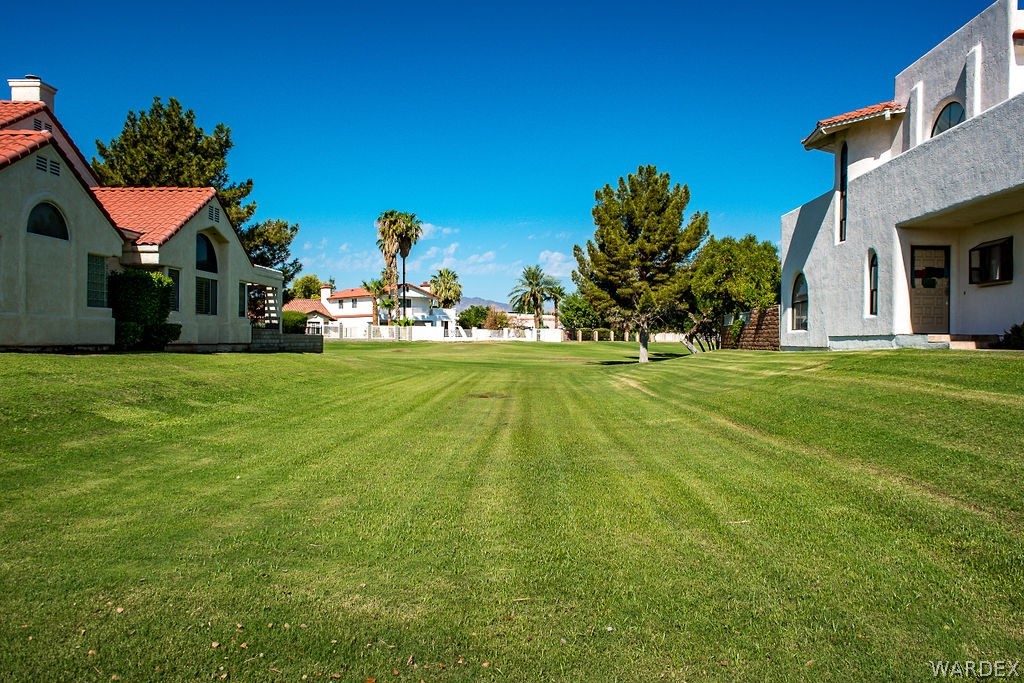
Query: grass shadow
(656, 357)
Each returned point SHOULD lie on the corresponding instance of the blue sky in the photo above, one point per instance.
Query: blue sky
(494, 122)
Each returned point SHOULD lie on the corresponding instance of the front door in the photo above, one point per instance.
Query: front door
(929, 290)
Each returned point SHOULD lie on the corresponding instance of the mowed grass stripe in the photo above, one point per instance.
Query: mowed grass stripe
(507, 504)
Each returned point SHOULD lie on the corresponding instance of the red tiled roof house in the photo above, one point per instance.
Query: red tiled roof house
(60, 231)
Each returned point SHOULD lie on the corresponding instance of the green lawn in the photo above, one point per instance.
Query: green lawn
(512, 511)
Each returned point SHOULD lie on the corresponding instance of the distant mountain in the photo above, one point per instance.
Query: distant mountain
(468, 301)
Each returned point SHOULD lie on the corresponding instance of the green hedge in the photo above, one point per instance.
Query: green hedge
(140, 301)
(293, 322)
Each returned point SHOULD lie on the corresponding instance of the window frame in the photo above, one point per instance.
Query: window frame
(175, 275)
(798, 306)
(844, 185)
(206, 305)
(872, 282)
(981, 274)
(66, 236)
(243, 299)
(101, 298)
(210, 256)
(945, 108)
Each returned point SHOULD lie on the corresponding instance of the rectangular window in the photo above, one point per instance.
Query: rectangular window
(992, 262)
(96, 281)
(206, 296)
(175, 276)
(243, 299)
(354, 302)
(41, 164)
(54, 167)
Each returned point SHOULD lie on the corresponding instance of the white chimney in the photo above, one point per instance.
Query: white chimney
(31, 89)
(325, 293)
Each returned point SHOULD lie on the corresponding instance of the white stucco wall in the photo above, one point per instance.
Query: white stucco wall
(972, 66)
(971, 165)
(43, 286)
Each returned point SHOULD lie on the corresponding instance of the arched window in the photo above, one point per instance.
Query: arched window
(952, 114)
(206, 257)
(872, 283)
(844, 164)
(799, 303)
(46, 219)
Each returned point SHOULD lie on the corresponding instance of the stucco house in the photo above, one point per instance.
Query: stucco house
(915, 243)
(61, 232)
(353, 307)
(317, 316)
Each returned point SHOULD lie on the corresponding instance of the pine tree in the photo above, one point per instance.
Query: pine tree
(634, 270)
(163, 147)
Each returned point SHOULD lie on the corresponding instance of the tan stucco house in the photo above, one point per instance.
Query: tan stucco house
(61, 232)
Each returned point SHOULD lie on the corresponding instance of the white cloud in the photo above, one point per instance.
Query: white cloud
(556, 264)
(430, 231)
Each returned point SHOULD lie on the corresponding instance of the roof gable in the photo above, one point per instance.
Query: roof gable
(15, 145)
(155, 214)
(18, 144)
(826, 127)
(14, 112)
(308, 306)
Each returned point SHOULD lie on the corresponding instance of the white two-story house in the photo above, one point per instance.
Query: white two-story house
(353, 307)
(918, 240)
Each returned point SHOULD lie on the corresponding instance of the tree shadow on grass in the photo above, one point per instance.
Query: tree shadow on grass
(656, 357)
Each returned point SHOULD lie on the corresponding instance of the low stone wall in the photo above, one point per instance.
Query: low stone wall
(273, 341)
(760, 334)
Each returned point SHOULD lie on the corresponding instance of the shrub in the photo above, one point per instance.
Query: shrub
(736, 330)
(127, 335)
(140, 301)
(294, 322)
(1013, 338)
(474, 316)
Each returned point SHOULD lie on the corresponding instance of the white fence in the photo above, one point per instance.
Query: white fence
(336, 331)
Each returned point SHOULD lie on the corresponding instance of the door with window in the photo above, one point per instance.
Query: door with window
(929, 290)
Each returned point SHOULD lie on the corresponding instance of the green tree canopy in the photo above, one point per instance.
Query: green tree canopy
(634, 270)
(577, 313)
(163, 147)
(268, 243)
(531, 291)
(446, 286)
(730, 276)
(474, 316)
(308, 287)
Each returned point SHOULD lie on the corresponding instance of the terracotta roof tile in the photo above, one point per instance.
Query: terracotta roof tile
(350, 293)
(821, 130)
(864, 112)
(18, 144)
(308, 306)
(155, 213)
(12, 112)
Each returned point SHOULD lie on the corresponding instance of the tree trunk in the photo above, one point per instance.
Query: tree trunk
(644, 338)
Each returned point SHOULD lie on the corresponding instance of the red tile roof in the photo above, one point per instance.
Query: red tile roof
(821, 129)
(12, 112)
(18, 144)
(863, 113)
(360, 292)
(308, 306)
(155, 213)
(350, 293)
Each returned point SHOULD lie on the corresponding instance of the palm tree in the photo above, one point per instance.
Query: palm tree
(556, 292)
(376, 289)
(410, 229)
(445, 285)
(388, 230)
(531, 291)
